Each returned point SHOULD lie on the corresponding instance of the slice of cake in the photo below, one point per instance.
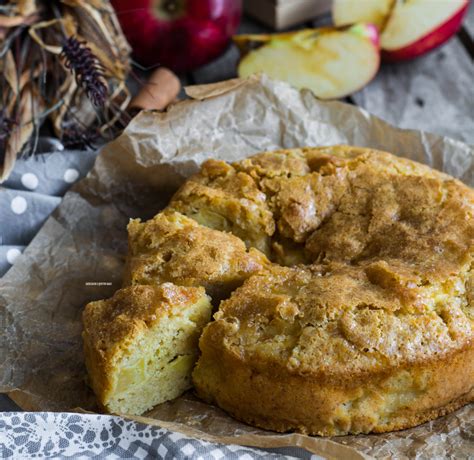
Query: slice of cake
(228, 200)
(140, 345)
(174, 248)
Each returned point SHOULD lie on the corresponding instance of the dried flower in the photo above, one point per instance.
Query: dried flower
(75, 137)
(81, 60)
(35, 85)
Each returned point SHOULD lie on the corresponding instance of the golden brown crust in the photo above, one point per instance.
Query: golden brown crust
(335, 203)
(420, 221)
(110, 322)
(174, 248)
(332, 320)
(395, 399)
(228, 200)
(362, 339)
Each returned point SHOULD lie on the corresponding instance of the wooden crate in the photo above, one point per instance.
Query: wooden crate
(281, 14)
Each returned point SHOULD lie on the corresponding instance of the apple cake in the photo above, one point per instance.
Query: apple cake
(174, 248)
(346, 286)
(140, 346)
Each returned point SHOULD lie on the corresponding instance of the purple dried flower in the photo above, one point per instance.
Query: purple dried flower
(86, 67)
(76, 137)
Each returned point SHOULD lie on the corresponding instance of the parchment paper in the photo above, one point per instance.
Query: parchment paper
(78, 255)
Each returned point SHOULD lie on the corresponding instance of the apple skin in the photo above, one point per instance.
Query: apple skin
(369, 31)
(435, 38)
(194, 33)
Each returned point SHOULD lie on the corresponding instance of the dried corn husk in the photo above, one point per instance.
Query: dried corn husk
(35, 85)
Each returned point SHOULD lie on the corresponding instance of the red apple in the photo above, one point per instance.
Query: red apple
(416, 27)
(179, 34)
(408, 28)
(331, 62)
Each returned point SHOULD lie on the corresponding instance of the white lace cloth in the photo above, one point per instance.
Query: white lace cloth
(25, 435)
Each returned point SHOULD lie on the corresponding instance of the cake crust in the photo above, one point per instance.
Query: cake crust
(324, 351)
(174, 248)
(290, 402)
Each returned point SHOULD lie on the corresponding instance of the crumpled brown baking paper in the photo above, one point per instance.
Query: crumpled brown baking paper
(78, 255)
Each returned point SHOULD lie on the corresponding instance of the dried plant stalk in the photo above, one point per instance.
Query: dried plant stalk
(38, 80)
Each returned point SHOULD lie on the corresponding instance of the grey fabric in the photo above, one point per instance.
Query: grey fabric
(31, 193)
(53, 170)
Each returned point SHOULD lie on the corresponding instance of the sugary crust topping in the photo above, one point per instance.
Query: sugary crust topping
(335, 320)
(387, 245)
(423, 222)
(110, 324)
(227, 200)
(172, 247)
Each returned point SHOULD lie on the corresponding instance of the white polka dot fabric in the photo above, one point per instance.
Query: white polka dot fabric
(12, 254)
(71, 175)
(18, 204)
(30, 181)
(30, 195)
(50, 173)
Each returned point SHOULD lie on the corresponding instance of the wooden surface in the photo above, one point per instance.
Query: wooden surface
(433, 93)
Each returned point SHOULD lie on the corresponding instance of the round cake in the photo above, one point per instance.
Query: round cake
(343, 287)
(364, 323)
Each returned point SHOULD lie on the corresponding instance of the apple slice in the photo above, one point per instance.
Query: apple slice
(408, 28)
(332, 62)
(345, 12)
(417, 26)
